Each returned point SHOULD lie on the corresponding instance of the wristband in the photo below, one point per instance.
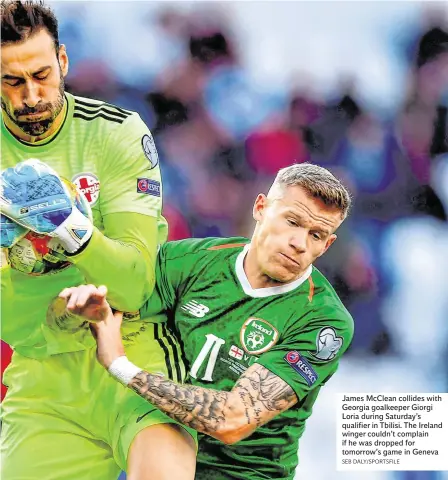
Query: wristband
(123, 370)
(74, 232)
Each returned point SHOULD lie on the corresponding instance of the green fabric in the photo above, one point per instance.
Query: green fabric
(125, 265)
(200, 289)
(103, 145)
(64, 417)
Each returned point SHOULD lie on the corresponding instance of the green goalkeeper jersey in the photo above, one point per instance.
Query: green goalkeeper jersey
(298, 331)
(109, 153)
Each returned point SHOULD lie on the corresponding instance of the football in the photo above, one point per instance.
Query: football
(37, 254)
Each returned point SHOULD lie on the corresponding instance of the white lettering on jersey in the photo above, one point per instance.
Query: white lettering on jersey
(196, 309)
(212, 346)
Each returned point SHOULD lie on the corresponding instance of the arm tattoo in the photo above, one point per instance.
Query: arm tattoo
(264, 394)
(258, 396)
(199, 408)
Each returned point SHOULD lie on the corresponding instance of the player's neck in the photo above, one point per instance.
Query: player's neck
(21, 135)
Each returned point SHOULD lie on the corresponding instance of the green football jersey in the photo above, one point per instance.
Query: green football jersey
(298, 331)
(110, 155)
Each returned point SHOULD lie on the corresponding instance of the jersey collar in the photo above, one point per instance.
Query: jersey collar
(68, 106)
(265, 292)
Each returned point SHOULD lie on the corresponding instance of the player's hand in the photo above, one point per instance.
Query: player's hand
(33, 195)
(108, 338)
(87, 301)
(10, 231)
(90, 302)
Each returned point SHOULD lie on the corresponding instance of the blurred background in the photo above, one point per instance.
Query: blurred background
(234, 91)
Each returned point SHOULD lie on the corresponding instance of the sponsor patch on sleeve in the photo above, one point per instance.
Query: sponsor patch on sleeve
(148, 186)
(301, 365)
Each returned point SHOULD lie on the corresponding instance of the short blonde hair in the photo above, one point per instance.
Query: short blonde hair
(318, 182)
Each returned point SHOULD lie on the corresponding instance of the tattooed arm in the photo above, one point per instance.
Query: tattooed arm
(257, 397)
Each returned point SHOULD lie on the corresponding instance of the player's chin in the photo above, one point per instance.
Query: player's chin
(282, 274)
(35, 128)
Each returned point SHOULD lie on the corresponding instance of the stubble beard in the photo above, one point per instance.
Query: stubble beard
(36, 129)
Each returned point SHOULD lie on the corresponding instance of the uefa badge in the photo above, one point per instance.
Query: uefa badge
(257, 336)
(302, 366)
(328, 344)
(150, 151)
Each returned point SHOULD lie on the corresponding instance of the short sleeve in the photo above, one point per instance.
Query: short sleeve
(130, 172)
(176, 264)
(310, 351)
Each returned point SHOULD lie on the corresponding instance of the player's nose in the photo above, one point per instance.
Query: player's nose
(298, 240)
(31, 95)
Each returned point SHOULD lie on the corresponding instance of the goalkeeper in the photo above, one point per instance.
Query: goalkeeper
(63, 417)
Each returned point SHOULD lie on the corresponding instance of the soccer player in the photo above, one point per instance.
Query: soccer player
(262, 329)
(63, 416)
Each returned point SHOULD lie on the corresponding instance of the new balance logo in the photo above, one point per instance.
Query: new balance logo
(196, 309)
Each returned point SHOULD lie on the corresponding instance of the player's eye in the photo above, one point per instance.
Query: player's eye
(41, 76)
(291, 222)
(14, 83)
(316, 236)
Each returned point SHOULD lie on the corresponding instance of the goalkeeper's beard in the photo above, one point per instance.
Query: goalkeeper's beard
(36, 129)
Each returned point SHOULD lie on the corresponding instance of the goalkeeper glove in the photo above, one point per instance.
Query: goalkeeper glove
(33, 195)
(10, 231)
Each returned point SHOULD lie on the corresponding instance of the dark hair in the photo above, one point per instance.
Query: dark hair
(431, 45)
(22, 18)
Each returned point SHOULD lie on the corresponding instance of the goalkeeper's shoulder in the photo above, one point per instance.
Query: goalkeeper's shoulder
(132, 134)
(116, 118)
(121, 136)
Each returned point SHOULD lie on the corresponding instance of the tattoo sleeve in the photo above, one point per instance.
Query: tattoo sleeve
(257, 397)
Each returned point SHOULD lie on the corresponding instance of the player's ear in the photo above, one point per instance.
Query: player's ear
(63, 60)
(259, 207)
(331, 239)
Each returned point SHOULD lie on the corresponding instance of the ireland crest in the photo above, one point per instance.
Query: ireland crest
(257, 336)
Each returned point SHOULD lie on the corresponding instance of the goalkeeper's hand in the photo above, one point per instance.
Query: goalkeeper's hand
(10, 231)
(33, 195)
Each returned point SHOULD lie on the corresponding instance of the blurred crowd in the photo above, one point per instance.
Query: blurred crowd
(222, 134)
(221, 137)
